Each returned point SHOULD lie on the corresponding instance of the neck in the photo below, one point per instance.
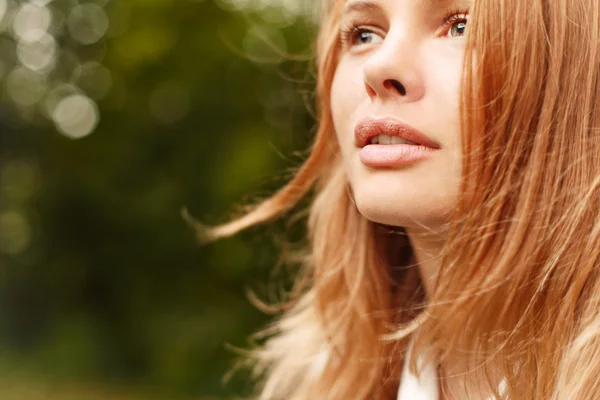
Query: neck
(427, 248)
(458, 381)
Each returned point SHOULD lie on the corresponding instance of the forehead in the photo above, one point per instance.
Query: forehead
(358, 5)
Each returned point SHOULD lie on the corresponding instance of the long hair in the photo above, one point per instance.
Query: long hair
(519, 281)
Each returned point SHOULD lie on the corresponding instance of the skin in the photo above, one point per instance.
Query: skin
(420, 196)
(406, 41)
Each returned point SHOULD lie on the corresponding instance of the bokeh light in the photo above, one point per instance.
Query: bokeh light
(38, 55)
(3, 6)
(15, 232)
(114, 115)
(24, 86)
(87, 23)
(40, 3)
(76, 116)
(279, 12)
(94, 78)
(31, 22)
(46, 45)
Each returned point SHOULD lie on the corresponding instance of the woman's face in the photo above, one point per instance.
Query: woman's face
(400, 67)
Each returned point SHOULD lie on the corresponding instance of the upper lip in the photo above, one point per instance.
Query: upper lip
(368, 127)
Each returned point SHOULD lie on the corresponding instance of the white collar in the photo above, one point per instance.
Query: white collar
(427, 387)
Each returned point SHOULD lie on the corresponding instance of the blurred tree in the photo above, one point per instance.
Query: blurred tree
(146, 106)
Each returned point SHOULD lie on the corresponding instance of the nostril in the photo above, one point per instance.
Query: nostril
(397, 85)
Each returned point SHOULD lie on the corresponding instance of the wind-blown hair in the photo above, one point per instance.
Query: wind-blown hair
(520, 274)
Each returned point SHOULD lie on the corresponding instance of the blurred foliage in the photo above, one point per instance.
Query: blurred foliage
(146, 106)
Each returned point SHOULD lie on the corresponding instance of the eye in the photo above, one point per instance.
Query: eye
(364, 36)
(458, 29)
(359, 35)
(457, 23)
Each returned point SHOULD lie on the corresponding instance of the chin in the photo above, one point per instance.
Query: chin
(407, 205)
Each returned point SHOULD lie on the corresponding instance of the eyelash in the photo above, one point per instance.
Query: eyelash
(350, 32)
(455, 14)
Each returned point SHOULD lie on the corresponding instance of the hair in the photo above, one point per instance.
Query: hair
(520, 271)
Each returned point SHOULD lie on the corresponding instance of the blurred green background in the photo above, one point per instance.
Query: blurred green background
(114, 115)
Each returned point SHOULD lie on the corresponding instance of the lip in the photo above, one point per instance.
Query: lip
(368, 127)
(391, 155)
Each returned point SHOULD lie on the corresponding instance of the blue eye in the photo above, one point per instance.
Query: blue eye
(367, 37)
(457, 21)
(359, 35)
(458, 29)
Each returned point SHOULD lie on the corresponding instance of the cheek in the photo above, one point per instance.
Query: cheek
(347, 93)
(447, 87)
(444, 74)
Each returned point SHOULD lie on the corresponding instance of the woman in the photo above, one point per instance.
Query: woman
(454, 224)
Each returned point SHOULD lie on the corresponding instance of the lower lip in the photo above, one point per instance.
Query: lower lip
(394, 155)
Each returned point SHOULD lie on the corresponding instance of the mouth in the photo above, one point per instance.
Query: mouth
(387, 131)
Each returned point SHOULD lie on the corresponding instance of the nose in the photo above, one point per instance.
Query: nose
(393, 71)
